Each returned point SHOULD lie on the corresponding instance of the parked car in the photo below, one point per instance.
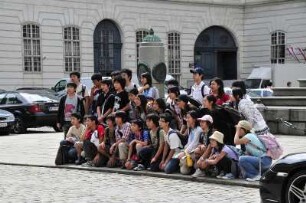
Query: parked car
(285, 181)
(260, 92)
(39, 90)
(60, 86)
(7, 120)
(30, 110)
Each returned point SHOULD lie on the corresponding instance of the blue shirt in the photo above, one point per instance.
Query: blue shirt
(144, 136)
(253, 150)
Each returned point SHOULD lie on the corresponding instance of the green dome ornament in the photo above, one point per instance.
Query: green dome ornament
(151, 37)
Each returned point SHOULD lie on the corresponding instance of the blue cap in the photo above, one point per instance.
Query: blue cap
(197, 70)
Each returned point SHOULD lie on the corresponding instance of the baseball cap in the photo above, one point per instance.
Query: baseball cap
(183, 98)
(197, 70)
(206, 118)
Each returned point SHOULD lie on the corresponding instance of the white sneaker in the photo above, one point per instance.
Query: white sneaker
(256, 178)
(221, 175)
(228, 176)
(198, 173)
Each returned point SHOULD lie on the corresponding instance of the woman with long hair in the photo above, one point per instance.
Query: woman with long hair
(147, 88)
(217, 89)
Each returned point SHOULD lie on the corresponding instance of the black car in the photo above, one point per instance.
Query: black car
(30, 109)
(285, 181)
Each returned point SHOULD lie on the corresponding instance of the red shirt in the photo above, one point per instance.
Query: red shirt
(100, 130)
(220, 100)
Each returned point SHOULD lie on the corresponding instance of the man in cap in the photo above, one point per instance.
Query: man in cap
(199, 89)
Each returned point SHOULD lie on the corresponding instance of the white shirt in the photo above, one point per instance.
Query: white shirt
(196, 91)
(252, 114)
(174, 142)
(79, 90)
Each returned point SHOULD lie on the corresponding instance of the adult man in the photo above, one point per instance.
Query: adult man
(127, 75)
(170, 161)
(199, 89)
(68, 105)
(95, 92)
(81, 89)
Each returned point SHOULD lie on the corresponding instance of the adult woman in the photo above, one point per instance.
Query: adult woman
(147, 89)
(250, 112)
(221, 157)
(217, 89)
(194, 133)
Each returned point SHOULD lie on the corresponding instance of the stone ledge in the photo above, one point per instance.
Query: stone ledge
(236, 182)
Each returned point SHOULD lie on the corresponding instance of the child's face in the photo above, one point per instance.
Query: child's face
(74, 121)
(149, 123)
(104, 87)
(137, 101)
(70, 90)
(118, 120)
(135, 128)
(117, 86)
(132, 97)
(109, 123)
(213, 143)
(190, 121)
(204, 125)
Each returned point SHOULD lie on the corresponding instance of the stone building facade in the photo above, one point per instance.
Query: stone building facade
(42, 41)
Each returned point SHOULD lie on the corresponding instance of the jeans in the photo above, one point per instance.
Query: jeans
(249, 165)
(172, 166)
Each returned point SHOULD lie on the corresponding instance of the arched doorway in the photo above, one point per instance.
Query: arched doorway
(107, 48)
(216, 51)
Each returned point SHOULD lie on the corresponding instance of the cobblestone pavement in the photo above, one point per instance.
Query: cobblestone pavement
(33, 184)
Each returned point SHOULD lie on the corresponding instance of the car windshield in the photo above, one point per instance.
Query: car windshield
(252, 83)
(37, 98)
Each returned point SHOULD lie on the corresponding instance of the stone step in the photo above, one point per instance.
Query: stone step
(289, 91)
(281, 100)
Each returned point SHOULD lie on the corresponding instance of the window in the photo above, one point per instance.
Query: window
(72, 49)
(139, 37)
(12, 99)
(174, 55)
(31, 48)
(278, 43)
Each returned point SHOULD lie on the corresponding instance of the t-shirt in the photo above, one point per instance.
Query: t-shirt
(196, 91)
(121, 100)
(96, 94)
(142, 136)
(151, 92)
(96, 135)
(70, 106)
(153, 137)
(229, 153)
(123, 132)
(130, 87)
(174, 142)
(252, 150)
(106, 102)
(82, 91)
(221, 100)
(75, 132)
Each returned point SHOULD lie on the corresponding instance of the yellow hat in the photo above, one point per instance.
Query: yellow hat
(218, 136)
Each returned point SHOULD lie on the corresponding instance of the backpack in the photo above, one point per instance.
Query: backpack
(202, 90)
(181, 137)
(273, 148)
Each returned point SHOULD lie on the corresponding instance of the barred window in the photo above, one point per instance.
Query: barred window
(139, 37)
(72, 49)
(31, 48)
(174, 55)
(278, 47)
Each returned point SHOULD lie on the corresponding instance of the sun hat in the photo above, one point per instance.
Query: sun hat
(218, 136)
(245, 125)
(206, 118)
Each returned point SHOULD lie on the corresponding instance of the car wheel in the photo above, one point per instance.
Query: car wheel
(19, 126)
(56, 129)
(296, 188)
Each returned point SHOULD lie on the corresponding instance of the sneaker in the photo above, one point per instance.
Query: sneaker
(88, 164)
(198, 173)
(221, 175)
(228, 176)
(140, 167)
(256, 178)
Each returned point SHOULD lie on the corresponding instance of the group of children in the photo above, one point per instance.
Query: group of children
(129, 126)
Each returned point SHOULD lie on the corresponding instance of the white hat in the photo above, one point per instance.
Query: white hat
(206, 118)
(245, 125)
(218, 136)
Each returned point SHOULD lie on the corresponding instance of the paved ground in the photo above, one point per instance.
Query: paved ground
(33, 184)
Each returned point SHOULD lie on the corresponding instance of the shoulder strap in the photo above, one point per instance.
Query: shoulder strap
(83, 90)
(202, 90)
(158, 136)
